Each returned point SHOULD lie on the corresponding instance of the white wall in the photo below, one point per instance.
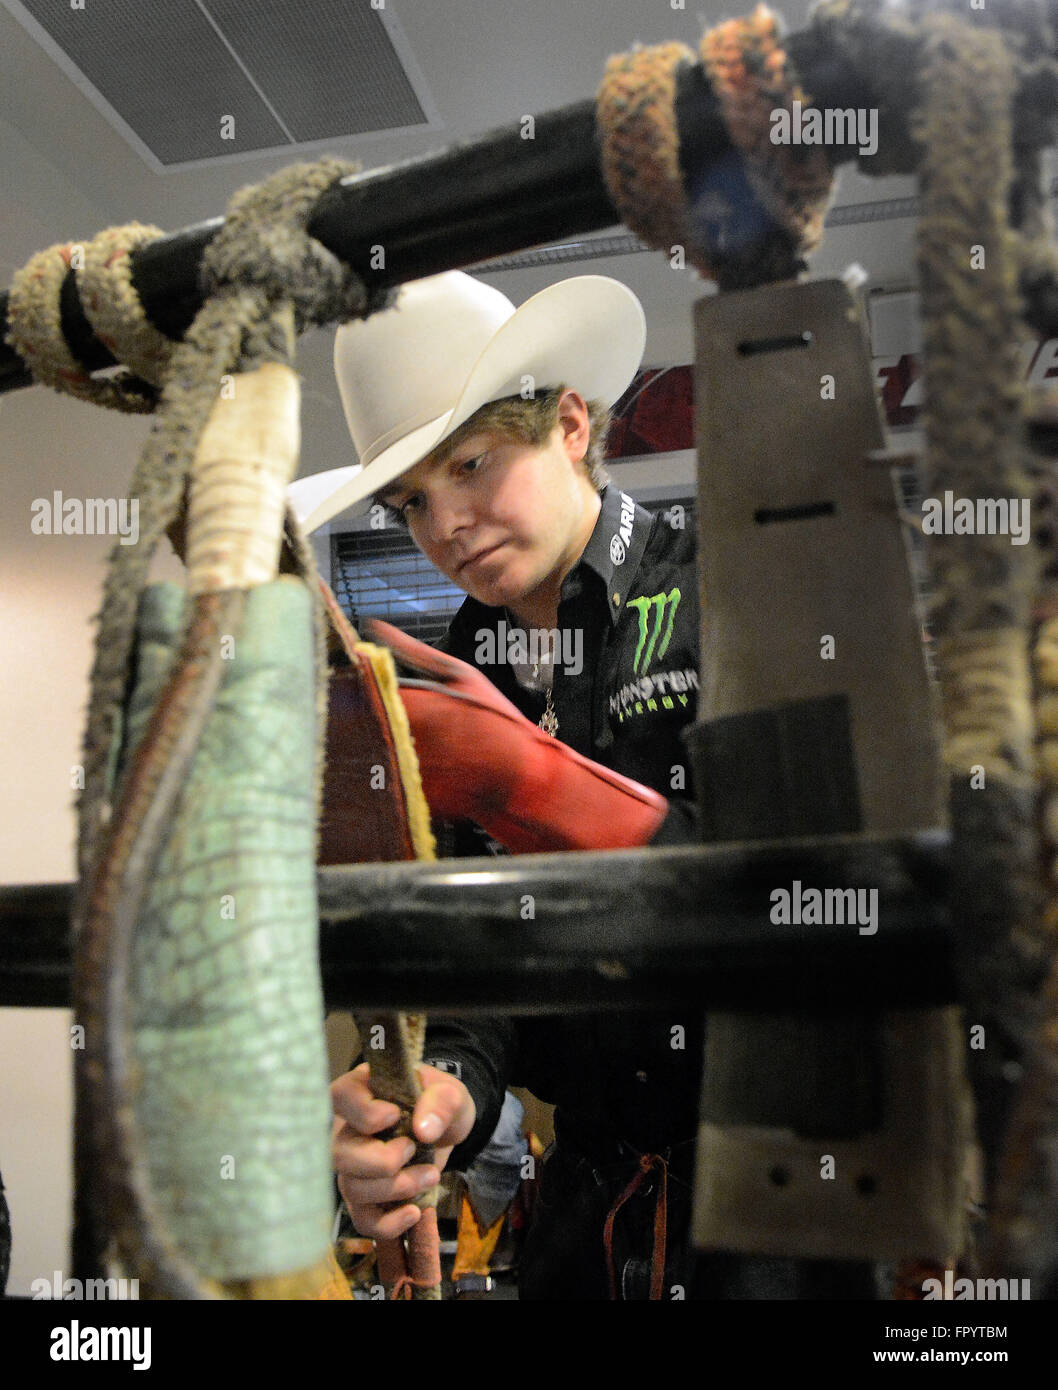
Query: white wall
(50, 586)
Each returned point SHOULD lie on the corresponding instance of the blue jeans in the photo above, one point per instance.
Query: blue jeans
(495, 1175)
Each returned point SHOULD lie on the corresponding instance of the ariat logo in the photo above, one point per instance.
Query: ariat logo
(656, 617)
(619, 544)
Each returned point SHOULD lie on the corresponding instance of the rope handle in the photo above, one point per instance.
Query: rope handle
(35, 329)
(751, 78)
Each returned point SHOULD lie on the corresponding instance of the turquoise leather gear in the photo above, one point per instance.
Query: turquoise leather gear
(232, 1100)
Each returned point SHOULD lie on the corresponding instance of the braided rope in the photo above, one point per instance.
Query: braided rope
(261, 259)
(747, 221)
(640, 149)
(975, 415)
(267, 280)
(1024, 1231)
(35, 332)
(414, 1272)
(752, 78)
(113, 307)
(947, 91)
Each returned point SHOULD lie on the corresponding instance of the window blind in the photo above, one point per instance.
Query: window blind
(381, 574)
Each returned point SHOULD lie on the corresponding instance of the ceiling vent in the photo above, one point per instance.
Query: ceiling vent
(190, 82)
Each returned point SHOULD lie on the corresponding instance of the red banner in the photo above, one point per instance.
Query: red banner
(656, 414)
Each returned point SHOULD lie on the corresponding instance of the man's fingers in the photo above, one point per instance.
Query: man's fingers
(377, 1222)
(444, 1113)
(357, 1156)
(388, 1225)
(354, 1102)
(409, 1184)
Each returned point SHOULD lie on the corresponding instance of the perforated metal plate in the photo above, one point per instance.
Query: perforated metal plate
(286, 72)
(841, 1137)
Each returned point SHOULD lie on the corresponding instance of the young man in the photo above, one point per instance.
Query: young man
(483, 428)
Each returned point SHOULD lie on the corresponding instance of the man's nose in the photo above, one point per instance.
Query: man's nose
(447, 515)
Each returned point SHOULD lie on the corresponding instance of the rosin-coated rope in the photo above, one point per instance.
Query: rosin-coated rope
(268, 280)
(751, 220)
(413, 1271)
(112, 306)
(949, 90)
(35, 332)
(261, 296)
(1024, 1232)
(640, 146)
(981, 614)
(751, 76)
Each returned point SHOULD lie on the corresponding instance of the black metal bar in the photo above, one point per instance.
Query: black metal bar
(487, 196)
(549, 933)
(484, 197)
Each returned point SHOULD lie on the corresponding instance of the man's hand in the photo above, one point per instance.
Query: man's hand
(372, 1175)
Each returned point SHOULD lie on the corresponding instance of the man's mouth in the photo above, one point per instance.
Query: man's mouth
(477, 557)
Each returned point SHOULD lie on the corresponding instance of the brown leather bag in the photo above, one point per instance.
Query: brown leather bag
(364, 819)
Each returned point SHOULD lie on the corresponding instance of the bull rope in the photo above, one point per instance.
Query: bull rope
(966, 104)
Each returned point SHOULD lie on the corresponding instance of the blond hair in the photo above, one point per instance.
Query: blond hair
(529, 422)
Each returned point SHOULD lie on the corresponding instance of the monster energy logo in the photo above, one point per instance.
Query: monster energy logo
(664, 606)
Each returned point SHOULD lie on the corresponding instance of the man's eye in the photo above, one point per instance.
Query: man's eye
(472, 465)
(412, 504)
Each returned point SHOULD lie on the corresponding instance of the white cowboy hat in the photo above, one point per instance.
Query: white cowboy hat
(412, 374)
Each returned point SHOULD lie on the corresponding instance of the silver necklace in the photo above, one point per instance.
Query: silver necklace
(549, 719)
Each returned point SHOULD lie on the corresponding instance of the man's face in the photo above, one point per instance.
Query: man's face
(500, 518)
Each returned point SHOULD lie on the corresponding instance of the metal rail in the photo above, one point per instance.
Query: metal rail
(560, 932)
(480, 198)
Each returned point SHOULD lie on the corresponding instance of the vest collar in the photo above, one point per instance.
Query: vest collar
(616, 546)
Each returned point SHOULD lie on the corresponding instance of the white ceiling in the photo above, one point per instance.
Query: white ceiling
(67, 172)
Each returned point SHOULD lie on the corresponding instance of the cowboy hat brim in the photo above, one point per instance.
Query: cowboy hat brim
(587, 334)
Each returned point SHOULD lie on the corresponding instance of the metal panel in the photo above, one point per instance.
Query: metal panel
(328, 67)
(286, 73)
(164, 71)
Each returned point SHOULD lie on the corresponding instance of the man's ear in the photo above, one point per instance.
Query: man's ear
(575, 423)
